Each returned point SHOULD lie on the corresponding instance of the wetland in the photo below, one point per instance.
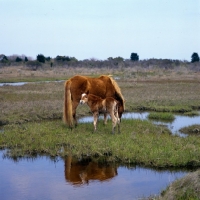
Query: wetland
(31, 125)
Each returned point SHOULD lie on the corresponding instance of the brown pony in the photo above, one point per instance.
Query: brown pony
(97, 105)
(103, 86)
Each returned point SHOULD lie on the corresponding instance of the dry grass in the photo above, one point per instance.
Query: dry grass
(169, 93)
(16, 73)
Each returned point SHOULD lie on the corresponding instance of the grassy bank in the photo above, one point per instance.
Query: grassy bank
(185, 188)
(140, 142)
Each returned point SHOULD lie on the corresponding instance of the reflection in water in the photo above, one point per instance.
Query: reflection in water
(179, 122)
(81, 172)
(41, 178)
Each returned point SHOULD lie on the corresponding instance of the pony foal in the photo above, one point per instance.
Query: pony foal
(97, 105)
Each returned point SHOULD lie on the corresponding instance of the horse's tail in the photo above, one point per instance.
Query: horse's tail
(67, 110)
(118, 92)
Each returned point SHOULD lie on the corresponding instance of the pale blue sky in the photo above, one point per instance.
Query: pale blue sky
(100, 28)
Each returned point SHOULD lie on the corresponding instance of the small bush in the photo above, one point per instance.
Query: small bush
(33, 64)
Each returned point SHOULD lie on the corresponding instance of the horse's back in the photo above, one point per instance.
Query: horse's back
(79, 85)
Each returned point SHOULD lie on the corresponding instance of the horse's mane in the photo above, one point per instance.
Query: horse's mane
(118, 90)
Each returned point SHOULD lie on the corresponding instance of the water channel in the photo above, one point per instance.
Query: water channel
(42, 178)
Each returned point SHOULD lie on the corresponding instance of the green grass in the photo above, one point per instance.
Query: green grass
(140, 142)
(161, 116)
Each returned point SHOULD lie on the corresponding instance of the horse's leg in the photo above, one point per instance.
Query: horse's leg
(105, 118)
(95, 115)
(74, 106)
(118, 123)
(120, 111)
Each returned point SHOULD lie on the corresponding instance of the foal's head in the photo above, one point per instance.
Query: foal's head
(84, 98)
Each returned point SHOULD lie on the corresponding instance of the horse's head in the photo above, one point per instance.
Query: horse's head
(84, 98)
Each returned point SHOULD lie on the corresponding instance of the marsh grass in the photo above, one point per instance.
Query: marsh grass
(185, 188)
(161, 116)
(191, 113)
(140, 142)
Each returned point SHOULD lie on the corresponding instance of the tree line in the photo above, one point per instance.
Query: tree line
(72, 61)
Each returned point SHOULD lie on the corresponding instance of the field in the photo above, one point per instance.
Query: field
(31, 116)
(159, 90)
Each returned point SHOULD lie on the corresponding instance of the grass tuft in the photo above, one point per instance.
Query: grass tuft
(161, 116)
(194, 129)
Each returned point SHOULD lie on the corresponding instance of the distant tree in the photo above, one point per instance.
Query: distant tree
(134, 56)
(18, 59)
(59, 58)
(73, 59)
(26, 59)
(195, 57)
(63, 58)
(41, 58)
(110, 58)
(119, 59)
(3, 58)
(67, 58)
(48, 58)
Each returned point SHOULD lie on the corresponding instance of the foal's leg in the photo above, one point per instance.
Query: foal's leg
(114, 121)
(118, 121)
(116, 114)
(95, 115)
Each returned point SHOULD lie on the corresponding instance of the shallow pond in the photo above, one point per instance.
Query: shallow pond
(42, 178)
(24, 83)
(13, 84)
